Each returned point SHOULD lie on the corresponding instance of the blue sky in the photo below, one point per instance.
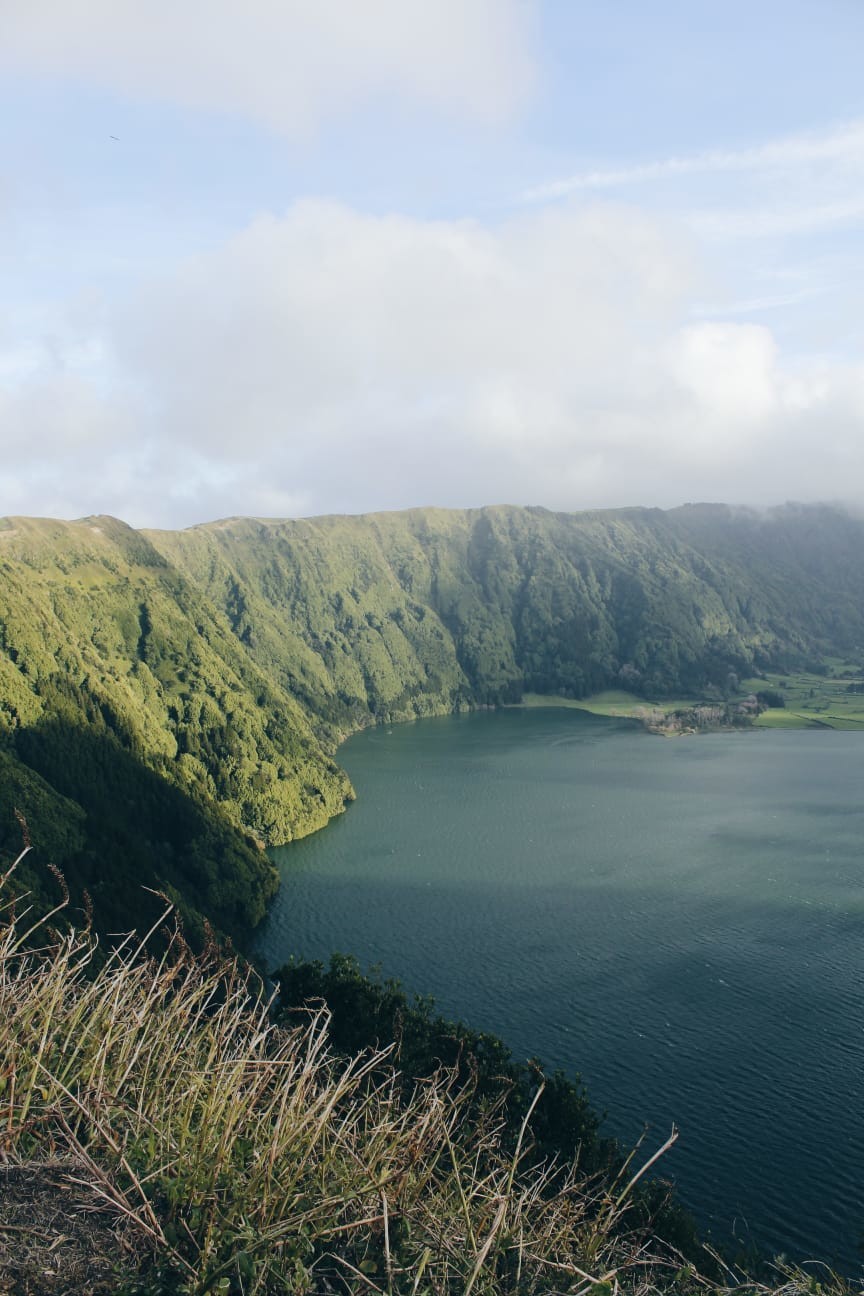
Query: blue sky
(345, 256)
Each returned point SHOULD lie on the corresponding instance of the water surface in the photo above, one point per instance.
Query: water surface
(679, 921)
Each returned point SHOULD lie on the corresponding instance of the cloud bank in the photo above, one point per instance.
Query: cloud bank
(327, 360)
(286, 64)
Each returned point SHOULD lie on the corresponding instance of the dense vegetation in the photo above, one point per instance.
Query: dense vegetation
(393, 615)
(171, 702)
(139, 739)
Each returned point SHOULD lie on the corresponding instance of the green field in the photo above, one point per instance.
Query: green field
(813, 701)
(611, 702)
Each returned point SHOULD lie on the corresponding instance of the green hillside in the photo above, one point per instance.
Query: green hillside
(140, 740)
(170, 702)
(393, 615)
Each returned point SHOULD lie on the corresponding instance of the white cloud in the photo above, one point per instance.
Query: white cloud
(326, 360)
(730, 370)
(284, 63)
(754, 305)
(780, 221)
(841, 145)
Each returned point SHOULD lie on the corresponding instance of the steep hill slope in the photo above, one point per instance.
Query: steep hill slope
(170, 701)
(124, 691)
(394, 615)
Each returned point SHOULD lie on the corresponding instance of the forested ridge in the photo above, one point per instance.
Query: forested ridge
(170, 702)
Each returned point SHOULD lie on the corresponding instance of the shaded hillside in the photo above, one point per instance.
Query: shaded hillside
(170, 701)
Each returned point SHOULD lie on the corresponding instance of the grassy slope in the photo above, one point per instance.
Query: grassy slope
(254, 1159)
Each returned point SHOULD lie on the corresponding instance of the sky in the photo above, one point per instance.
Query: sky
(293, 257)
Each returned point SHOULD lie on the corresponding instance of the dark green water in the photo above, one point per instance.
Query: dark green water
(681, 922)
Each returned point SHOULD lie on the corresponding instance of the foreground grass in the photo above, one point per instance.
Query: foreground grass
(219, 1152)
